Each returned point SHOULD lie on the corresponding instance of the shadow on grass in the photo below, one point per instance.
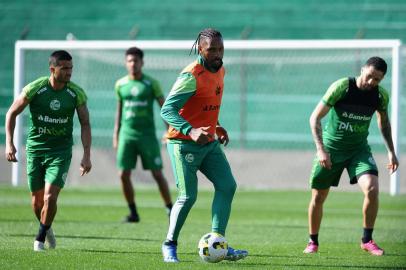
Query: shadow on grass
(312, 266)
(89, 237)
(136, 252)
(245, 263)
(311, 256)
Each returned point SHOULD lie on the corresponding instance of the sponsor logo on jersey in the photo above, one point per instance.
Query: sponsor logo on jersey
(48, 119)
(130, 103)
(147, 82)
(71, 93)
(352, 127)
(52, 131)
(189, 157)
(55, 105)
(42, 90)
(356, 117)
(211, 108)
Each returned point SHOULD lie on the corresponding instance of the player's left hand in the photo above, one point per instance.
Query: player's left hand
(393, 162)
(222, 135)
(85, 166)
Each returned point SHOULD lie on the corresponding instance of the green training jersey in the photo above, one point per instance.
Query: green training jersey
(137, 99)
(51, 115)
(351, 113)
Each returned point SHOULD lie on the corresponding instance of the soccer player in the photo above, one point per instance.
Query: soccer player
(192, 109)
(52, 101)
(351, 103)
(134, 130)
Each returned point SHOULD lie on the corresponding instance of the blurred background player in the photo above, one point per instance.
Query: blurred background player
(351, 103)
(53, 101)
(134, 130)
(192, 109)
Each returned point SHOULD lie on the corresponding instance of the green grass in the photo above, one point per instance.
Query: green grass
(271, 225)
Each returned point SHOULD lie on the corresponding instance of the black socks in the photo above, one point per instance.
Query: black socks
(42, 232)
(133, 209)
(367, 235)
(314, 238)
(170, 243)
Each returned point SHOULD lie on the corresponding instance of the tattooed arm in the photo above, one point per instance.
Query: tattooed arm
(315, 125)
(385, 127)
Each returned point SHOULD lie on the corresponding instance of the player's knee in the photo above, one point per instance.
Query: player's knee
(37, 203)
(50, 199)
(231, 188)
(125, 177)
(372, 191)
(319, 198)
(158, 176)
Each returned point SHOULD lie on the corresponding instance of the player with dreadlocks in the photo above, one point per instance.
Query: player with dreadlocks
(191, 110)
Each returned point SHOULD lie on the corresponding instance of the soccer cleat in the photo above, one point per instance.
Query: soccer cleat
(132, 218)
(39, 246)
(311, 248)
(169, 253)
(372, 248)
(50, 239)
(235, 254)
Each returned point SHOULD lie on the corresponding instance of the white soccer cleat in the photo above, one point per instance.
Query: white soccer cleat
(39, 246)
(50, 239)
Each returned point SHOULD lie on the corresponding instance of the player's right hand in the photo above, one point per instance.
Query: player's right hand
(324, 159)
(201, 135)
(85, 166)
(10, 153)
(393, 162)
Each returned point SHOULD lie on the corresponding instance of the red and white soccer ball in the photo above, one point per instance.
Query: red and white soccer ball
(213, 247)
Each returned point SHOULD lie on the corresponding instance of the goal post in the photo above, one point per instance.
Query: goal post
(268, 53)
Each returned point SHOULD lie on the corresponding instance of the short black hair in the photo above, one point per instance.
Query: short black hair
(135, 51)
(57, 56)
(205, 33)
(378, 63)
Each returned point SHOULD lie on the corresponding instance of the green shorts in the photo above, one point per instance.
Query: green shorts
(51, 168)
(189, 157)
(147, 148)
(357, 163)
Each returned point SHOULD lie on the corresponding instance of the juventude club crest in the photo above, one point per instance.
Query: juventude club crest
(134, 91)
(55, 105)
(189, 157)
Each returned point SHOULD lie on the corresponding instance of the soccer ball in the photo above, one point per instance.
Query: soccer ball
(213, 247)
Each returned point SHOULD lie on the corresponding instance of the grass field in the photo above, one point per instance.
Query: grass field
(271, 225)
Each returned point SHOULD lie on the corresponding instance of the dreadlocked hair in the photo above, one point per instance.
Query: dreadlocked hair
(207, 33)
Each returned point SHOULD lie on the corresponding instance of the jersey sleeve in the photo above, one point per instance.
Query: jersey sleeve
(31, 89)
(117, 90)
(156, 89)
(383, 99)
(81, 97)
(335, 92)
(183, 89)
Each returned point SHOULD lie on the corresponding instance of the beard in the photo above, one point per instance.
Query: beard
(217, 64)
(214, 65)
